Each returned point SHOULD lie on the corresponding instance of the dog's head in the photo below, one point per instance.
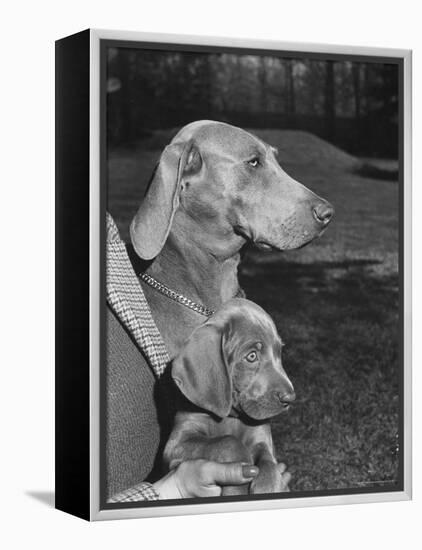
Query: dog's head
(234, 361)
(223, 186)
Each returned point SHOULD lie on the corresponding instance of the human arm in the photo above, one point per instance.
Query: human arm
(192, 478)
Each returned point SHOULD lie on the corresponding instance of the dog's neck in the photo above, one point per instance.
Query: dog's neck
(195, 272)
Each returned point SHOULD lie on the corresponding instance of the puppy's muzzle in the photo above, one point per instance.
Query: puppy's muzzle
(286, 399)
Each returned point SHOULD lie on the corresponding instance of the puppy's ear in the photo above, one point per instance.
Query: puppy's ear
(151, 225)
(201, 371)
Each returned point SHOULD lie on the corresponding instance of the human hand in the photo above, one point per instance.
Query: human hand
(203, 478)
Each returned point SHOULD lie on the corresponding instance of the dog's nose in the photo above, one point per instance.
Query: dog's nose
(323, 212)
(287, 398)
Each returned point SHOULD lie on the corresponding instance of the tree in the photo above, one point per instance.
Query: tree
(263, 83)
(357, 92)
(329, 101)
(291, 99)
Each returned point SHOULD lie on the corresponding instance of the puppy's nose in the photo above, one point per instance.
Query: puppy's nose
(323, 212)
(287, 398)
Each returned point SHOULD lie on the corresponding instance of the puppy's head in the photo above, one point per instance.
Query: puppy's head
(234, 361)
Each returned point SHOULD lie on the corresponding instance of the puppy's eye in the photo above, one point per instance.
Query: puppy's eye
(252, 356)
(254, 162)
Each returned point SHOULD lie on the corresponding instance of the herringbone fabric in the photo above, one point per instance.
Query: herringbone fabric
(143, 491)
(126, 298)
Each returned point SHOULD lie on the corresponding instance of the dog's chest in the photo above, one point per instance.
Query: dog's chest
(226, 426)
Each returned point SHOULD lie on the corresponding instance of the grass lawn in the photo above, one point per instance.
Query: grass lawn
(336, 305)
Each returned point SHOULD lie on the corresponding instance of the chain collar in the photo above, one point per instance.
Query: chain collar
(176, 296)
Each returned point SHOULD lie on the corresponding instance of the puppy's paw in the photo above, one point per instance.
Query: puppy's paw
(272, 478)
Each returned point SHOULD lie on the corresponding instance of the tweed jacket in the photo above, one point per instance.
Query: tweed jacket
(132, 423)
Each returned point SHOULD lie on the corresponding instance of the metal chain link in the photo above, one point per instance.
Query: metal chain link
(176, 296)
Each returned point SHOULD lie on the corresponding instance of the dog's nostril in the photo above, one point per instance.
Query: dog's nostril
(287, 397)
(323, 212)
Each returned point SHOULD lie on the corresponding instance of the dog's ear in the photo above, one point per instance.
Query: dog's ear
(151, 225)
(201, 371)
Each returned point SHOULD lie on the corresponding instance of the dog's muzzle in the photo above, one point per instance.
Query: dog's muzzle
(286, 399)
(323, 213)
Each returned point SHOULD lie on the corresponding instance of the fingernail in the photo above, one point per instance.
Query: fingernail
(250, 471)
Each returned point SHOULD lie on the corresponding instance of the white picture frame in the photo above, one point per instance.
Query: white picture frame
(90, 505)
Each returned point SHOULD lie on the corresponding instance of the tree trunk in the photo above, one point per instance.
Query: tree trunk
(291, 99)
(123, 123)
(262, 77)
(357, 98)
(329, 101)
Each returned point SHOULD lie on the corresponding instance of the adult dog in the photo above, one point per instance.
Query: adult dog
(215, 188)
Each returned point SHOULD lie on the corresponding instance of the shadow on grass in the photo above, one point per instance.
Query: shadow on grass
(341, 326)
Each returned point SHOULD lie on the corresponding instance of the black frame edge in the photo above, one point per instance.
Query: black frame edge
(72, 450)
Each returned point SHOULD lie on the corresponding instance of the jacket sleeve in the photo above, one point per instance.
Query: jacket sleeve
(141, 491)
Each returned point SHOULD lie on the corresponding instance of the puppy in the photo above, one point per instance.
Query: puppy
(232, 382)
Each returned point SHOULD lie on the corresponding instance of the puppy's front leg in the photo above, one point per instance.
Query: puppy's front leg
(272, 477)
(193, 438)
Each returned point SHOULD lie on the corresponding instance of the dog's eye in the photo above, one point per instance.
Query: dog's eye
(254, 162)
(252, 356)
